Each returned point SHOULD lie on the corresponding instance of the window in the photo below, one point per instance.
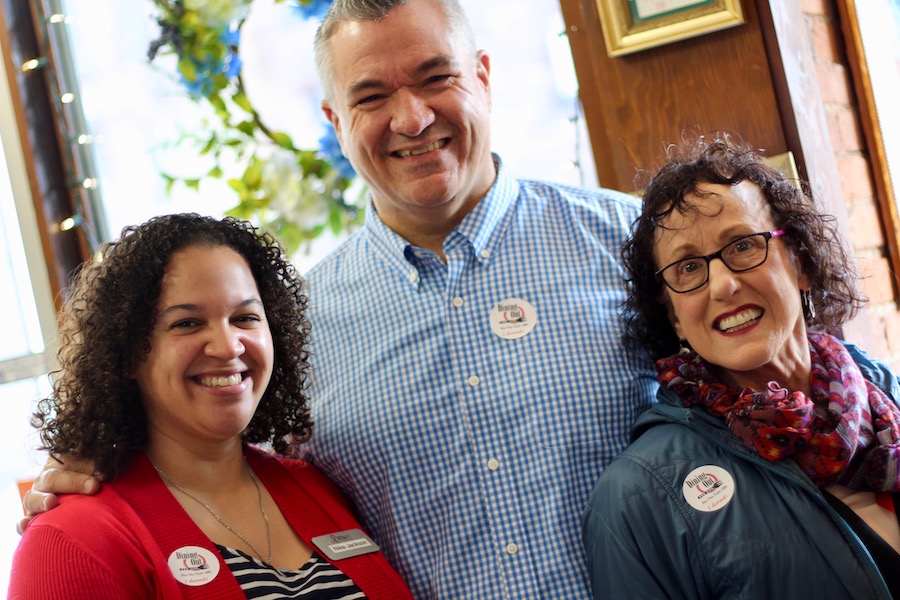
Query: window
(27, 306)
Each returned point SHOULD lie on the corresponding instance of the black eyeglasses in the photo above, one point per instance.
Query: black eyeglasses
(743, 254)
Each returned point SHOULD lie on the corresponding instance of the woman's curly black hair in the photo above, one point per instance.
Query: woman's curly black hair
(813, 236)
(95, 411)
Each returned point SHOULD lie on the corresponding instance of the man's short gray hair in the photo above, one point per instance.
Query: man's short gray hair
(341, 11)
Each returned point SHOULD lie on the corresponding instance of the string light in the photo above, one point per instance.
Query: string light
(71, 223)
(59, 18)
(34, 63)
(77, 156)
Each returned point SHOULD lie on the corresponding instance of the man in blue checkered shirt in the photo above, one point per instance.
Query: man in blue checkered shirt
(470, 384)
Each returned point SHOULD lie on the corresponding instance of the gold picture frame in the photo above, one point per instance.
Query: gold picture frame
(634, 25)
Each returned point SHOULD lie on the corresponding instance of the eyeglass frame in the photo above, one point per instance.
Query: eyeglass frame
(709, 257)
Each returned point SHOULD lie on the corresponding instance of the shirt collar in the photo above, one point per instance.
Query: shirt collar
(483, 227)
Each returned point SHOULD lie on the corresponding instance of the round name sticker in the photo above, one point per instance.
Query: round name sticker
(193, 565)
(708, 488)
(513, 318)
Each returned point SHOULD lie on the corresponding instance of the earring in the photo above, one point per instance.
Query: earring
(684, 347)
(809, 307)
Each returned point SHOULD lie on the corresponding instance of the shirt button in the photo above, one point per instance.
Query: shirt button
(458, 302)
(512, 548)
(414, 277)
(493, 464)
(474, 380)
(485, 254)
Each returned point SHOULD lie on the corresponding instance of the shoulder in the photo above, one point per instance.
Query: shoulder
(601, 212)
(105, 513)
(90, 542)
(656, 464)
(594, 198)
(876, 371)
(344, 257)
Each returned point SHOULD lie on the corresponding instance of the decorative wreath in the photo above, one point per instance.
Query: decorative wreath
(293, 192)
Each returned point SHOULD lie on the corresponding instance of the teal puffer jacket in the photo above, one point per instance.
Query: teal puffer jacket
(687, 512)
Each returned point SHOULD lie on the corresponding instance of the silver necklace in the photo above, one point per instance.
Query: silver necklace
(209, 509)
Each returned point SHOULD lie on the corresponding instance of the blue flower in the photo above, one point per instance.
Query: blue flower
(330, 149)
(313, 9)
(209, 68)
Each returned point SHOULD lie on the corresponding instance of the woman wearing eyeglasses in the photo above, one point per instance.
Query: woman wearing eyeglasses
(769, 467)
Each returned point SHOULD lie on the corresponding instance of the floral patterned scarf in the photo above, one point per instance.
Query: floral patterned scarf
(848, 432)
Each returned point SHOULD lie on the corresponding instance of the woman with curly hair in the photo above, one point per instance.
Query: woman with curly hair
(182, 344)
(769, 467)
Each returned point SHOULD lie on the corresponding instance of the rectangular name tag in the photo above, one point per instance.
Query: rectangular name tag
(345, 544)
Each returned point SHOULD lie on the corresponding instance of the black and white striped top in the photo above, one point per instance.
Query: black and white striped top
(315, 580)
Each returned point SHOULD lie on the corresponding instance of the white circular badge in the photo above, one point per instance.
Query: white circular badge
(193, 565)
(513, 318)
(708, 488)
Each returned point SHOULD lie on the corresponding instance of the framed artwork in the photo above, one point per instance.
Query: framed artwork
(872, 32)
(633, 25)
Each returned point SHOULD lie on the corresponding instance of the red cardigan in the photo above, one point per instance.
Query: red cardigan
(116, 544)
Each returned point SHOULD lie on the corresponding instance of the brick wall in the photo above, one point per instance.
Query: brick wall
(865, 226)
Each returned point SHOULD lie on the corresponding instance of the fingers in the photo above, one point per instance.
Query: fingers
(52, 481)
(35, 502)
(59, 481)
(21, 525)
(57, 477)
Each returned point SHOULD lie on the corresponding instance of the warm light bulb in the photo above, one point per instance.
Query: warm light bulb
(34, 63)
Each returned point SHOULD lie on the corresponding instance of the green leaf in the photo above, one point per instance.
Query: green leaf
(190, 20)
(188, 69)
(240, 98)
(241, 211)
(335, 220)
(217, 103)
(283, 140)
(253, 175)
(237, 185)
(209, 145)
(248, 128)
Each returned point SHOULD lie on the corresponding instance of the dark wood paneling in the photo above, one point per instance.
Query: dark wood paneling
(635, 103)
(757, 80)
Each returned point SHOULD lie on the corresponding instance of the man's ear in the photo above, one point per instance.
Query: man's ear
(483, 72)
(332, 117)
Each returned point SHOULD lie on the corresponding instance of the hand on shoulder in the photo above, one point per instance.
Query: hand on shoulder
(69, 477)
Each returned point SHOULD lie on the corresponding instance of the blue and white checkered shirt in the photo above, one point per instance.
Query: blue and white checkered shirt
(470, 456)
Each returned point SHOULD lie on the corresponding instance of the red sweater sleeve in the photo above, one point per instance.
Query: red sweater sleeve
(51, 564)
